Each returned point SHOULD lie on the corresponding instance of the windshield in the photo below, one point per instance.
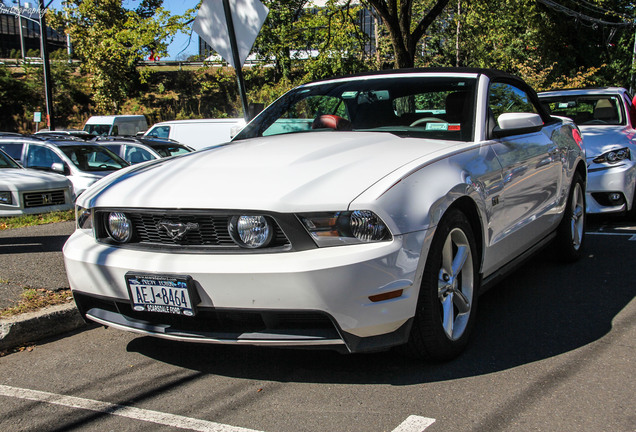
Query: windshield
(97, 129)
(7, 162)
(93, 158)
(587, 110)
(166, 150)
(414, 106)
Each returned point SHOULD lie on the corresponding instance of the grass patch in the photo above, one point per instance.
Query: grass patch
(35, 299)
(36, 219)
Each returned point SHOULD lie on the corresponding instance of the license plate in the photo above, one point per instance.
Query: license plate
(161, 293)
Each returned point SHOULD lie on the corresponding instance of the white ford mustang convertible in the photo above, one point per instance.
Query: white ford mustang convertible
(355, 213)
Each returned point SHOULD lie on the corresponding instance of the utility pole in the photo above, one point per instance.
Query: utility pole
(20, 27)
(238, 67)
(50, 118)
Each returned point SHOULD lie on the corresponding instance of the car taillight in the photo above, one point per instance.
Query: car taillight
(577, 137)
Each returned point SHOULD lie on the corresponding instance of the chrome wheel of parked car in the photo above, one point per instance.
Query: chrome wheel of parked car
(571, 234)
(456, 283)
(448, 294)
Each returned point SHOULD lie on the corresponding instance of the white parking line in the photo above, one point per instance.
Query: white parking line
(411, 424)
(414, 424)
(157, 417)
(632, 236)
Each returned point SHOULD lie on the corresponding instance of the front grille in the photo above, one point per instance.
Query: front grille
(211, 230)
(41, 199)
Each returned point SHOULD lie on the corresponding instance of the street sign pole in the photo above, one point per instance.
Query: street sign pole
(238, 67)
(47, 72)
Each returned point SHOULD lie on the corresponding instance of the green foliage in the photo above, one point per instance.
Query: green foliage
(406, 22)
(36, 219)
(110, 40)
(547, 48)
(312, 43)
(543, 45)
(18, 99)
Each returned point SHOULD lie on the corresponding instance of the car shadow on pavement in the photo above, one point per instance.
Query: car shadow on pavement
(22, 245)
(542, 310)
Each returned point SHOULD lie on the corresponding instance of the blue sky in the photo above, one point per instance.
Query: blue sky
(176, 7)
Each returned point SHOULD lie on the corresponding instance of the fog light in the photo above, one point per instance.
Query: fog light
(251, 231)
(119, 227)
(614, 197)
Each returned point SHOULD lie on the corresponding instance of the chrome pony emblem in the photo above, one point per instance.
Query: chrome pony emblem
(177, 230)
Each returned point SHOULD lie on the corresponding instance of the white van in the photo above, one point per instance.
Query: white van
(198, 133)
(122, 125)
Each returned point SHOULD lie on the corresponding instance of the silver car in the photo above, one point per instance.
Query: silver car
(24, 191)
(81, 162)
(606, 120)
(138, 150)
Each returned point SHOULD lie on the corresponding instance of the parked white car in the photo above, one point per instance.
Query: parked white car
(356, 213)
(607, 120)
(24, 191)
(128, 125)
(197, 133)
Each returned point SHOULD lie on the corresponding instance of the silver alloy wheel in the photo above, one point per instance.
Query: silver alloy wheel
(456, 284)
(577, 223)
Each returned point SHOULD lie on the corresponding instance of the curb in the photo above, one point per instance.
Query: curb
(32, 326)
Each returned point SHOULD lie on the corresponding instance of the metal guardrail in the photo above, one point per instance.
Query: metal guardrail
(151, 63)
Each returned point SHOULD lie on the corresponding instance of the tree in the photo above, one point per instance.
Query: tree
(327, 40)
(279, 34)
(574, 44)
(334, 41)
(397, 16)
(111, 40)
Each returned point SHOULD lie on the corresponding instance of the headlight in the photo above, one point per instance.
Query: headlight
(251, 231)
(119, 227)
(6, 198)
(613, 156)
(84, 218)
(339, 228)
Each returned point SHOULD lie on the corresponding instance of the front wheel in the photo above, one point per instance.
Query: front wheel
(447, 302)
(571, 232)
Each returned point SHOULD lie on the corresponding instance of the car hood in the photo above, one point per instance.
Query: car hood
(601, 139)
(25, 179)
(297, 172)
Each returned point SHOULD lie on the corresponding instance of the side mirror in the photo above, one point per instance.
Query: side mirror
(517, 124)
(59, 168)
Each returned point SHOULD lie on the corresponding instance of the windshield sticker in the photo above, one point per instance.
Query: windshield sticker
(436, 126)
(451, 127)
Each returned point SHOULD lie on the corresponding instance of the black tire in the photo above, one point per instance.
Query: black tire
(447, 301)
(630, 214)
(570, 238)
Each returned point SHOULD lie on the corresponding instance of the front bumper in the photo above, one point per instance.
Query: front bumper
(9, 210)
(603, 180)
(318, 297)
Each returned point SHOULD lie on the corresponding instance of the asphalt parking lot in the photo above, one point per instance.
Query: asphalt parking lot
(554, 350)
(30, 258)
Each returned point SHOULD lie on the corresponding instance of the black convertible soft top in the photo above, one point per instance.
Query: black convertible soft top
(492, 74)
